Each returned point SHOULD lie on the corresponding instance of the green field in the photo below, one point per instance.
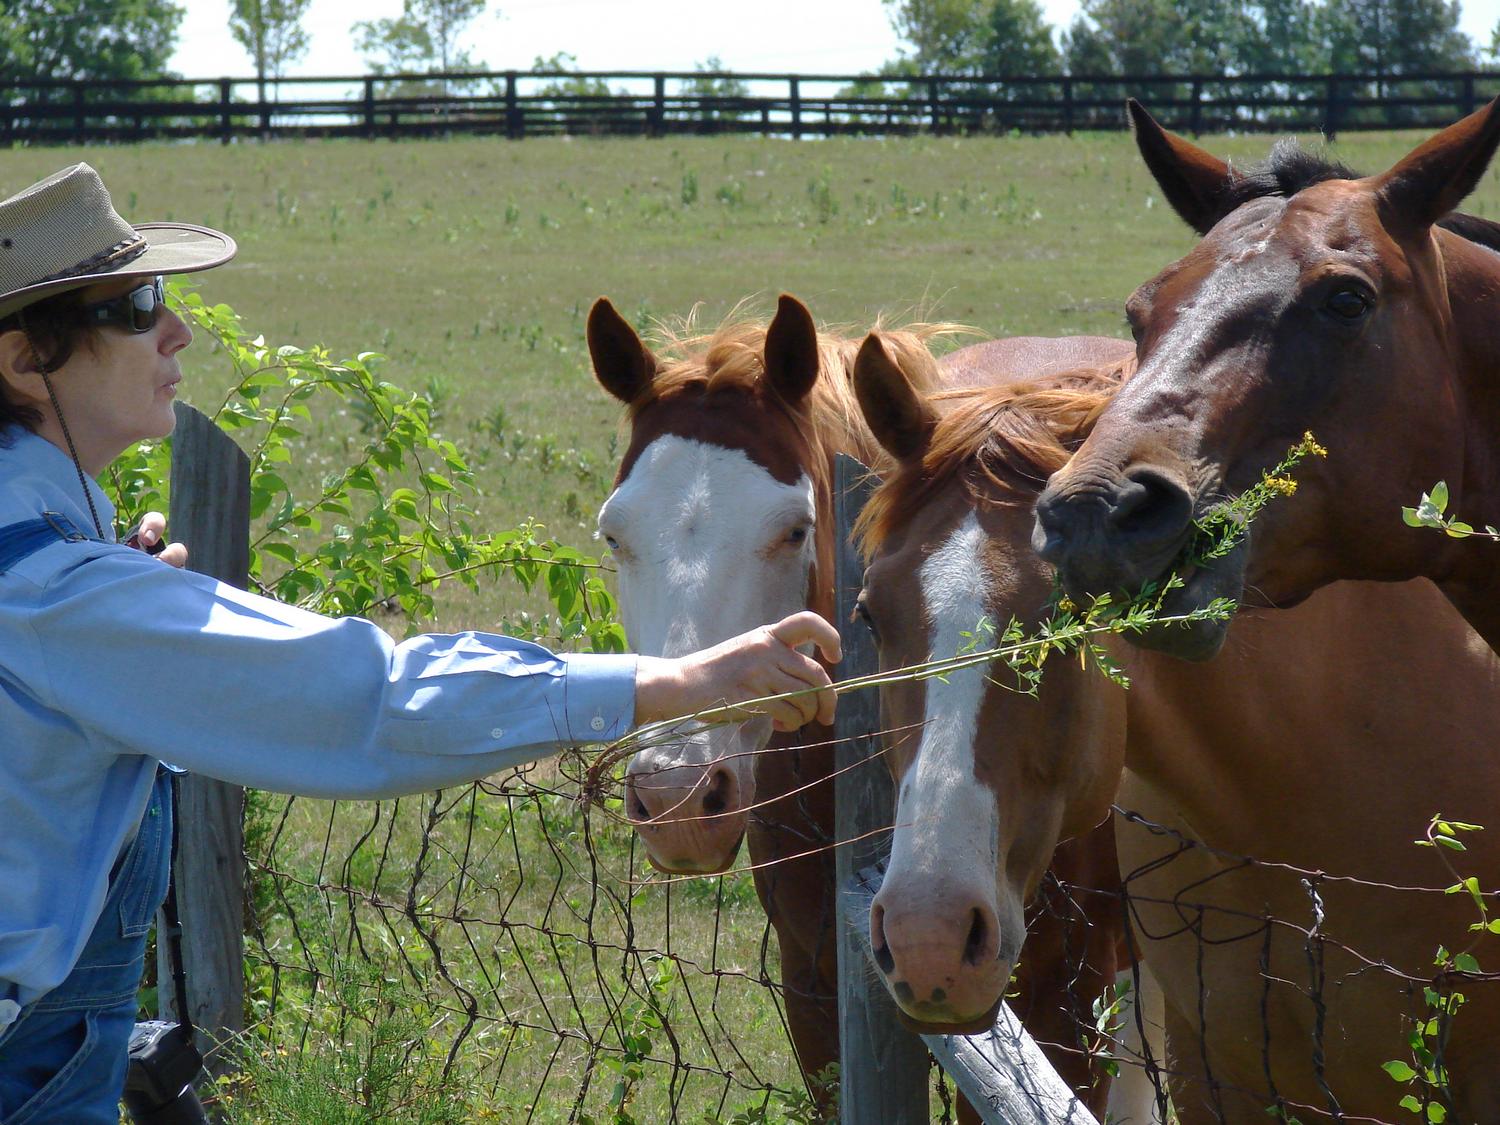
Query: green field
(472, 264)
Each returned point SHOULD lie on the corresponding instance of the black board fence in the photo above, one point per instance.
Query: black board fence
(1002, 1072)
(517, 104)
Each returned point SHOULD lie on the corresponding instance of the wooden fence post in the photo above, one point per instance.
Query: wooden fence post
(884, 1067)
(226, 126)
(794, 96)
(211, 514)
(658, 121)
(370, 108)
(515, 124)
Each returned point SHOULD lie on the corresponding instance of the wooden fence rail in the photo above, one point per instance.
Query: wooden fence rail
(519, 104)
(882, 1078)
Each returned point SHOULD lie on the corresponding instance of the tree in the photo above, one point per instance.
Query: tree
(271, 33)
(1394, 37)
(1020, 40)
(88, 39)
(715, 84)
(946, 36)
(424, 37)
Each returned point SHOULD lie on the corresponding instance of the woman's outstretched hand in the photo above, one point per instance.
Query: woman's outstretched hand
(753, 665)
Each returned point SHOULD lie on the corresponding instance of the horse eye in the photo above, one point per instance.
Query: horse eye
(862, 611)
(797, 535)
(1348, 304)
(614, 544)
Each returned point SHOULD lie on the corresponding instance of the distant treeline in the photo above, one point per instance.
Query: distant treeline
(103, 40)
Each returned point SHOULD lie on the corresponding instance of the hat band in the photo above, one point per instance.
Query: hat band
(119, 254)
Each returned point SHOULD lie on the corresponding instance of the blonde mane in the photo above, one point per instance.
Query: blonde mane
(729, 358)
(1000, 443)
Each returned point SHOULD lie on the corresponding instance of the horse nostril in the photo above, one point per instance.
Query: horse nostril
(720, 789)
(1047, 531)
(1151, 507)
(878, 944)
(978, 946)
(635, 808)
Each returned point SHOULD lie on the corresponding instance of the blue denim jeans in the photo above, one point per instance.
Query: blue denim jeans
(62, 1062)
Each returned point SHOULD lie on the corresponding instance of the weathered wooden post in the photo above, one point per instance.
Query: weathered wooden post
(883, 1072)
(211, 514)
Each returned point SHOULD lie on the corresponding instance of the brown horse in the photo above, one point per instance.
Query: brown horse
(1316, 301)
(721, 520)
(1312, 743)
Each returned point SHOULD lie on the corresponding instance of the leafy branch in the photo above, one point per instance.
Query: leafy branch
(391, 524)
(1430, 512)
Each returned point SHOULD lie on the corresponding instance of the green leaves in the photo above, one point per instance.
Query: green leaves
(1430, 512)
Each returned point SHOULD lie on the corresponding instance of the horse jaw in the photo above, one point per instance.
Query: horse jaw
(701, 560)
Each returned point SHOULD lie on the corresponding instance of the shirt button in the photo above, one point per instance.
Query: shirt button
(9, 1010)
(498, 732)
(597, 722)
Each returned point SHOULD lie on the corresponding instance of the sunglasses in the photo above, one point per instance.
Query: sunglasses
(135, 311)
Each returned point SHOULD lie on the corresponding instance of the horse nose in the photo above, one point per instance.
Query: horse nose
(1113, 535)
(685, 793)
(942, 964)
(691, 818)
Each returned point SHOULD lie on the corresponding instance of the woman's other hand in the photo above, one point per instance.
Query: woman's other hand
(148, 538)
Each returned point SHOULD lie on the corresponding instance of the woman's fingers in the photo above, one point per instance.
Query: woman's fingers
(808, 628)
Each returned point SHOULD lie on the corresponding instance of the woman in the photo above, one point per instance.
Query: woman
(111, 661)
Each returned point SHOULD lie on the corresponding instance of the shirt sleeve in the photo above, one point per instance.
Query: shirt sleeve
(177, 666)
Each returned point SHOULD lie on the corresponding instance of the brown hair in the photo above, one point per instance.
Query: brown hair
(1001, 443)
(56, 331)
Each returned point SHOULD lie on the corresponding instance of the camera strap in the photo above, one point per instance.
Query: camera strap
(174, 923)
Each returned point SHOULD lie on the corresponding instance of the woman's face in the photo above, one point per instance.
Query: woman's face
(117, 389)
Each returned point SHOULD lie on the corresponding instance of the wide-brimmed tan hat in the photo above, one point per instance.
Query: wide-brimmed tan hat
(64, 233)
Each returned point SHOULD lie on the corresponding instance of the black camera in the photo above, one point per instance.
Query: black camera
(164, 1064)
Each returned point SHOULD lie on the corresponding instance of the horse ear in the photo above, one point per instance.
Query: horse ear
(1434, 178)
(623, 365)
(791, 357)
(1195, 182)
(900, 418)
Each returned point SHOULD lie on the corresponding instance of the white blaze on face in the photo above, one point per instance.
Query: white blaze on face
(944, 814)
(705, 551)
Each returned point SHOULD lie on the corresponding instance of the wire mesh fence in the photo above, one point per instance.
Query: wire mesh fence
(503, 948)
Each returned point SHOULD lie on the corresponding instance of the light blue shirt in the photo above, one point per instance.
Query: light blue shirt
(111, 660)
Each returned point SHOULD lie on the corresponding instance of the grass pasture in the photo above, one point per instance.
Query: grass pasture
(471, 264)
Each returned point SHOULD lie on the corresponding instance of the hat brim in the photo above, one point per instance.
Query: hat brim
(170, 248)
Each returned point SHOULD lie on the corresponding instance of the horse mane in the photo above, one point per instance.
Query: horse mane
(1001, 443)
(729, 358)
(1290, 168)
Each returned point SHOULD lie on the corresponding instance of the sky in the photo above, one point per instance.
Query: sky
(805, 36)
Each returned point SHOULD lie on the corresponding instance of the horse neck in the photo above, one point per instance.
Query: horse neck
(1470, 578)
(1295, 683)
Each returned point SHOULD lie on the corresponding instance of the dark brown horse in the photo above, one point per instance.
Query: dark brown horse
(1316, 302)
(1312, 742)
(721, 520)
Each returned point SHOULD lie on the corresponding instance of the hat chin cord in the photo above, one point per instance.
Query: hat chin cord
(46, 373)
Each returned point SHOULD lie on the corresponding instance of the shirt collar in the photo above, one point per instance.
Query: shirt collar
(25, 454)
